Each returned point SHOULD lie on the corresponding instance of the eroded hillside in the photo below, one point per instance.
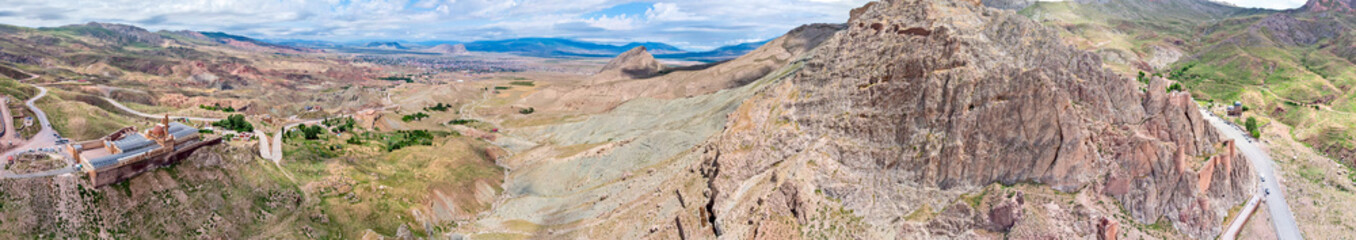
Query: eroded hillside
(908, 124)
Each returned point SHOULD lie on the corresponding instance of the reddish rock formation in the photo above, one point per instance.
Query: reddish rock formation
(1106, 229)
(931, 94)
(1006, 214)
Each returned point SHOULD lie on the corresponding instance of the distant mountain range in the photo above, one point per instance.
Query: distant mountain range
(534, 47)
(386, 45)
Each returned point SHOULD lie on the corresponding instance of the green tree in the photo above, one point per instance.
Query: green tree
(236, 123)
(311, 132)
(1251, 125)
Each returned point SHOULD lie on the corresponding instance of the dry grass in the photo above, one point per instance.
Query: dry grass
(1318, 189)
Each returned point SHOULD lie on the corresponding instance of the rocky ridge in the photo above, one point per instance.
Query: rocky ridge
(909, 109)
(1339, 6)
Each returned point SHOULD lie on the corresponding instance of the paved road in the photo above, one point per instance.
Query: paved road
(8, 134)
(46, 137)
(1281, 217)
(153, 116)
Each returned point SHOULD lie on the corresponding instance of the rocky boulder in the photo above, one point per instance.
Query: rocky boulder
(1006, 214)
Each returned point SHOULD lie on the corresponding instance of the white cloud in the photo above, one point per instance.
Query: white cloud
(613, 23)
(669, 12)
(696, 24)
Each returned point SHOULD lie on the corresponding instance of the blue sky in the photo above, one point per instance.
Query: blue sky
(691, 24)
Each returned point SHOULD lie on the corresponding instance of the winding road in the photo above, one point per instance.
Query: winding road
(45, 138)
(139, 113)
(7, 130)
(1282, 218)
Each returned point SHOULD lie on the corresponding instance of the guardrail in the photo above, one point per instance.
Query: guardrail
(1237, 226)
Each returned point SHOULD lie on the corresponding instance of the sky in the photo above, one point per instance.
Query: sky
(690, 24)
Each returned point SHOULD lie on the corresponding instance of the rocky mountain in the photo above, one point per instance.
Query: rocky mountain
(115, 33)
(385, 45)
(906, 107)
(718, 54)
(457, 49)
(1336, 6)
(247, 43)
(556, 47)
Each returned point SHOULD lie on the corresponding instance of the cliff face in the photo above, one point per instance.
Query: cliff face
(920, 101)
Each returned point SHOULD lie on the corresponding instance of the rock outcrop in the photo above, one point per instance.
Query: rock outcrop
(636, 63)
(919, 101)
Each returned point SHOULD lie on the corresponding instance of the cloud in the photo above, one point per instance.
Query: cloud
(669, 12)
(692, 24)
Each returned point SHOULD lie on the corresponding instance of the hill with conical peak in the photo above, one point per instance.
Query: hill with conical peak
(635, 63)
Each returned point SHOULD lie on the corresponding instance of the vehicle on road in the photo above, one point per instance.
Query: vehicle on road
(1267, 191)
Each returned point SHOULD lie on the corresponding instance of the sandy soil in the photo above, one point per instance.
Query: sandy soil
(1259, 227)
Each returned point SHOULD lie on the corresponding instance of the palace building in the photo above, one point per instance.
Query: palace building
(126, 153)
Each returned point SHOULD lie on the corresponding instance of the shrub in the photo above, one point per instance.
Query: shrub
(393, 78)
(439, 108)
(461, 121)
(405, 138)
(527, 111)
(1251, 125)
(236, 123)
(523, 83)
(1175, 87)
(340, 124)
(414, 117)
